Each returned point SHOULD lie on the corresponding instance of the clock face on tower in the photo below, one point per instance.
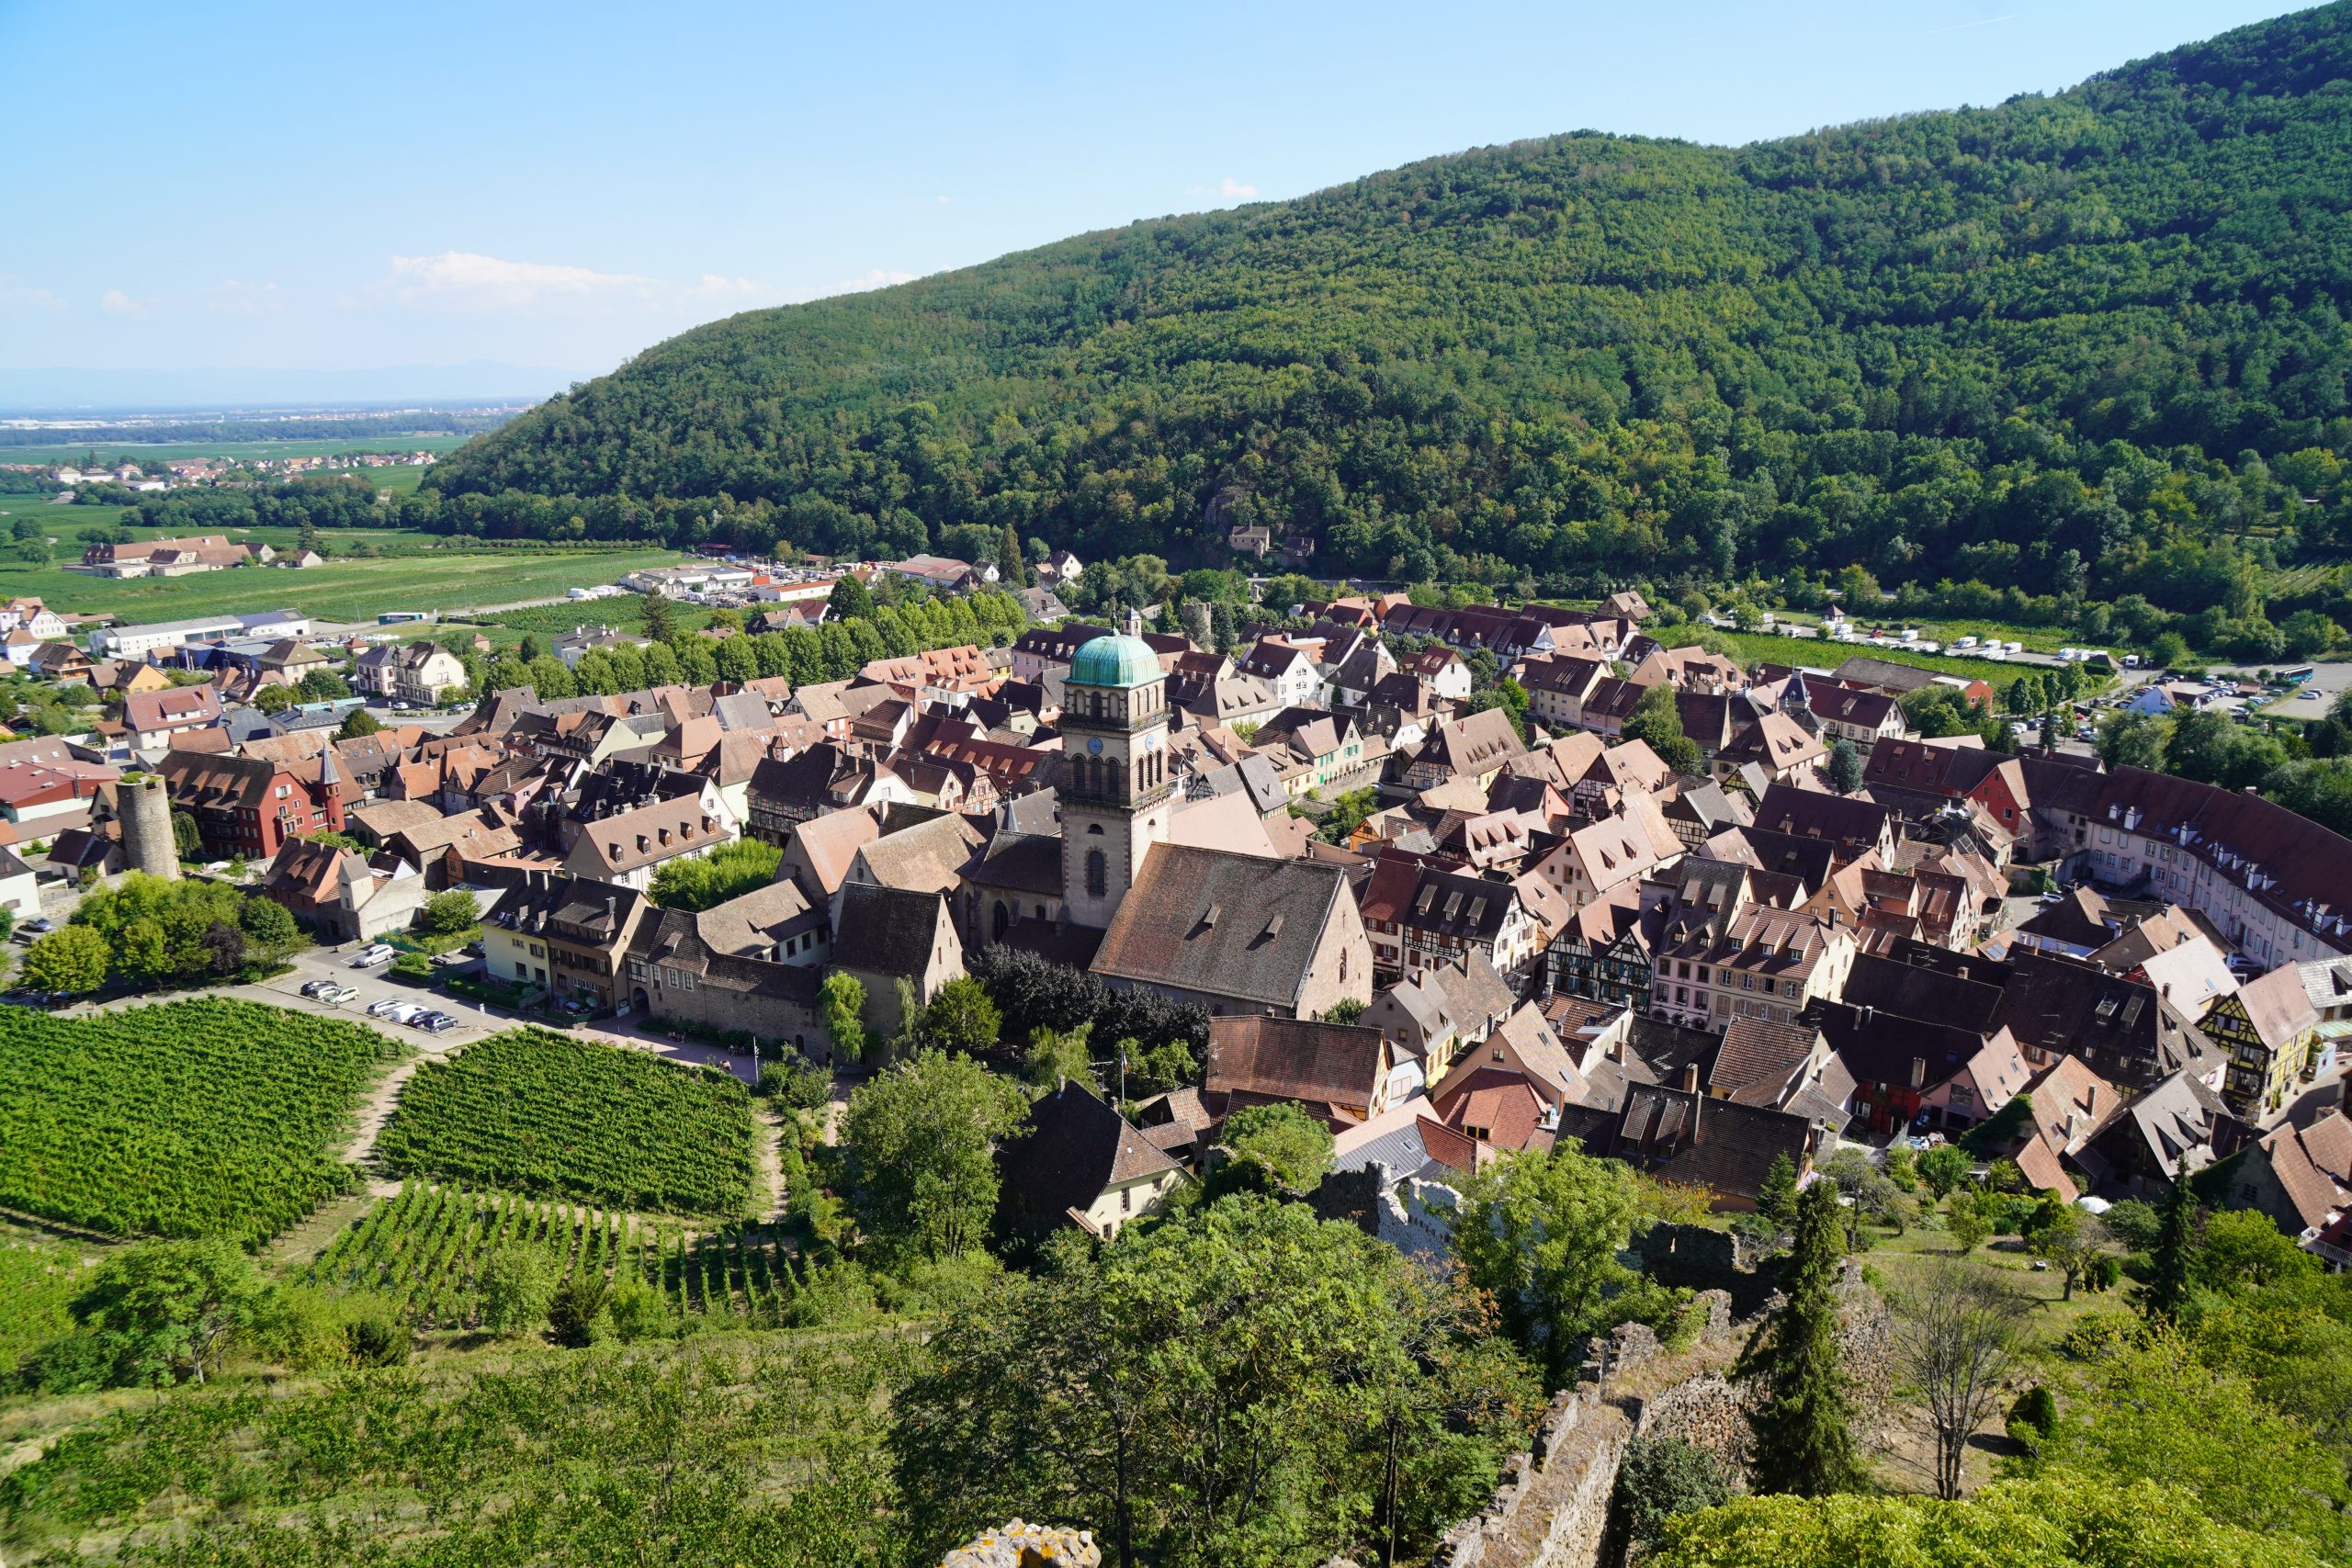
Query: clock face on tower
(1095, 745)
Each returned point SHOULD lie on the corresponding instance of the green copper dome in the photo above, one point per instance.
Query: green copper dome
(1121, 661)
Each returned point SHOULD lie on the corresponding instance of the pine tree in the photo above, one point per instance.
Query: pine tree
(1803, 1440)
(2167, 1287)
(1845, 767)
(1778, 1201)
(1010, 570)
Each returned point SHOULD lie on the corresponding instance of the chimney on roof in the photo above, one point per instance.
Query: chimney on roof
(1919, 1072)
(1689, 1077)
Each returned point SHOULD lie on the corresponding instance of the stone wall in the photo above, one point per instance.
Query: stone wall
(1552, 1509)
(1020, 1545)
(1700, 1257)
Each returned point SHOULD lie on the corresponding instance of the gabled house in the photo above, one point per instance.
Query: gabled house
(1341, 1072)
(1239, 933)
(2267, 1027)
(1078, 1162)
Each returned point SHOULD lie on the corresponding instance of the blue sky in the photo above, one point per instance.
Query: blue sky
(339, 187)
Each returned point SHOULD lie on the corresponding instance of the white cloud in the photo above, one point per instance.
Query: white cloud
(115, 302)
(21, 297)
(465, 280)
(1226, 190)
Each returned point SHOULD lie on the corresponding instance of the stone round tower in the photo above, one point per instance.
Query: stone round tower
(147, 842)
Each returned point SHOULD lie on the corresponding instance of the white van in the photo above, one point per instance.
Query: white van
(1964, 642)
(2013, 647)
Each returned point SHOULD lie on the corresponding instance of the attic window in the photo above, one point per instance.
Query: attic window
(1274, 926)
(1209, 918)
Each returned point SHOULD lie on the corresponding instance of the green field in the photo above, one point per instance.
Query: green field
(531, 1110)
(339, 590)
(1753, 647)
(728, 1449)
(112, 450)
(197, 1117)
(422, 1250)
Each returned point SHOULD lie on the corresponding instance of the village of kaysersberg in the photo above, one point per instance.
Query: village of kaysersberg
(1622, 851)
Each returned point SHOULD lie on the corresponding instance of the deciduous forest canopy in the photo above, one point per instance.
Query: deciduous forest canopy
(2091, 340)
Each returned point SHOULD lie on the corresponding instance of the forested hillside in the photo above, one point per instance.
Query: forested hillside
(2088, 342)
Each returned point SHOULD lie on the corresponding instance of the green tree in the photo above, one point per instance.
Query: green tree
(1056, 1056)
(173, 1308)
(1944, 1169)
(1966, 1220)
(1660, 1480)
(2172, 1267)
(270, 929)
(358, 723)
(2055, 1521)
(1011, 570)
(73, 960)
(2146, 1406)
(922, 1175)
(962, 1015)
(321, 686)
(1776, 1201)
(187, 842)
(576, 1309)
(841, 1000)
(1657, 720)
(850, 600)
(660, 616)
(1800, 1424)
(512, 1285)
(274, 698)
(1540, 1234)
(1845, 767)
(1246, 1385)
(1271, 1148)
(447, 913)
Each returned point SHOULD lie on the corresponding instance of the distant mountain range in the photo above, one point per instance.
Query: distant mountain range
(2075, 343)
(64, 393)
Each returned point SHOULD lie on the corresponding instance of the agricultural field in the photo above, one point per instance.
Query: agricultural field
(624, 612)
(422, 1251)
(209, 1117)
(38, 1280)
(1753, 647)
(723, 1450)
(535, 1112)
(339, 590)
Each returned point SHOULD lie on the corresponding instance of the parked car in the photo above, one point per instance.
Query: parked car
(37, 925)
(313, 988)
(450, 960)
(436, 1023)
(406, 1012)
(388, 1006)
(372, 955)
(335, 996)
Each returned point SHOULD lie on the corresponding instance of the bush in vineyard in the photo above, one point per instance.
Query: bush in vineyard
(205, 1118)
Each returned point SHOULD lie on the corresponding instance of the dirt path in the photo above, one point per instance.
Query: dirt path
(380, 1101)
(771, 1123)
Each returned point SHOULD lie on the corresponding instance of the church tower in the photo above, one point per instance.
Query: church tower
(1117, 782)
